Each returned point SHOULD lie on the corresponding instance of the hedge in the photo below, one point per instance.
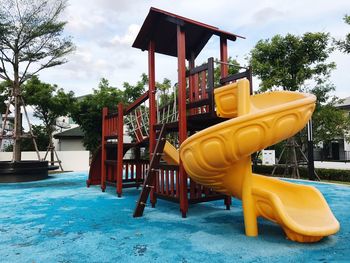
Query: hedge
(324, 174)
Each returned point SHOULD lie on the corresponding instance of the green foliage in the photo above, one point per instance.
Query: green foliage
(166, 95)
(131, 93)
(287, 62)
(41, 138)
(32, 35)
(329, 122)
(233, 68)
(49, 102)
(4, 94)
(88, 112)
(344, 45)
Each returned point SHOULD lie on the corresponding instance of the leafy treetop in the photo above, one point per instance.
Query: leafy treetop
(31, 37)
(49, 102)
(288, 61)
(344, 45)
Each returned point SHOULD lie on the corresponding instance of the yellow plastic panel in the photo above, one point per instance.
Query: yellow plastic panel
(219, 157)
(171, 154)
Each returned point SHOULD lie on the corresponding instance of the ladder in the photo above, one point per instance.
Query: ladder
(148, 183)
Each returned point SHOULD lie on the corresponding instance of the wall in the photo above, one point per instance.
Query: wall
(71, 160)
(70, 145)
(346, 145)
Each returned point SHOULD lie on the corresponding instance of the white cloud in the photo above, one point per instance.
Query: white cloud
(104, 31)
(128, 38)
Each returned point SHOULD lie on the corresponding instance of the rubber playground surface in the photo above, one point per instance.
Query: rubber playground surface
(60, 220)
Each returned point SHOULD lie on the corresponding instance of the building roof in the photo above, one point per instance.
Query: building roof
(74, 133)
(161, 26)
(345, 104)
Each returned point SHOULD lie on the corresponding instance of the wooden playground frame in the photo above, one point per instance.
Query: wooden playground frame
(195, 110)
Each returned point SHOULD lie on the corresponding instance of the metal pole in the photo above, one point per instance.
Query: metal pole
(310, 152)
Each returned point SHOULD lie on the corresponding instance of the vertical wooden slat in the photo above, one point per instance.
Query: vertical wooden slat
(210, 84)
(223, 57)
(132, 172)
(181, 56)
(138, 164)
(192, 86)
(172, 190)
(167, 182)
(203, 88)
(126, 171)
(103, 149)
(120, 132)
(177, 184)
(196, 89)
(192, 189)
(162, 181)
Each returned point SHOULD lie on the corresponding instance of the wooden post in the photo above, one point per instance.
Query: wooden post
(210, 84)
(191, 83)
(223, 57)
(224, 73)
(103, 150)
(181, 60)
(152, 108)
(120, 133)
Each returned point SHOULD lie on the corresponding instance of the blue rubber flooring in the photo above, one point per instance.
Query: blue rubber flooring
(60, 220)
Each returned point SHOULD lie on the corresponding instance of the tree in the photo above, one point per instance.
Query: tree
(31, 40)
(292, 63)
(344, 45)
(87, 112)
(49, 103)
(288, 62)
(41, 139)
(132, 92)
(329, 122)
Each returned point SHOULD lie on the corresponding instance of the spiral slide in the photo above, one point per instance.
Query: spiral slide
(219, 157)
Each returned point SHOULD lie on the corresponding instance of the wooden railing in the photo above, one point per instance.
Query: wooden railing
(200, 89)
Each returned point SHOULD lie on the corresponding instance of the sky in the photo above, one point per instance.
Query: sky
(104, 30)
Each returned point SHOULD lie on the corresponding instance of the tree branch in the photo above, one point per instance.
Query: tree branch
(4, 69)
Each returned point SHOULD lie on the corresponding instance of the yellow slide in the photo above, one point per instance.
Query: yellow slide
(219, 157)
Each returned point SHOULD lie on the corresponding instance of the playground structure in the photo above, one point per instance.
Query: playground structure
(192, 110)
(226, 125)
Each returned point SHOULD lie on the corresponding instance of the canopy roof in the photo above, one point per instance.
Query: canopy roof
(161, 26)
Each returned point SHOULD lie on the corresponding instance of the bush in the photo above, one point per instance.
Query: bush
(324, 174)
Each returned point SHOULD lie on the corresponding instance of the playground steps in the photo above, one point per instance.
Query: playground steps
(149, 181)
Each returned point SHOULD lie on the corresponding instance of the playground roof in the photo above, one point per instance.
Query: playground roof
(162, 27)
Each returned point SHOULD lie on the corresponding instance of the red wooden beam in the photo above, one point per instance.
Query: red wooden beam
(181, 64)
(223, 57)
(152, 107)
(192, 82)
(120, 132)
(103, 150)
(137, 102)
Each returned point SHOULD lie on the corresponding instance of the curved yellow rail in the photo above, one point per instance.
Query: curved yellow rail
(219, 157)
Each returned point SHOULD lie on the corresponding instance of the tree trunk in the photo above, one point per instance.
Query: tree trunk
(18, 117)
(17, 127)
(52, 156)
